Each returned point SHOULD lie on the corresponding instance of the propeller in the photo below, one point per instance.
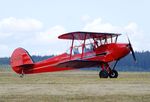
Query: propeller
(131, 48)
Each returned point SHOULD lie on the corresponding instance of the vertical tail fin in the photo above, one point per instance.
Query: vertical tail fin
(20, 58)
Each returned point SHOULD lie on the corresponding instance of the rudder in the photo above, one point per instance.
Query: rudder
(20, 58)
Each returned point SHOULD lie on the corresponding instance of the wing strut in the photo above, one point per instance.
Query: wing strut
(71, 47)
(83, 46)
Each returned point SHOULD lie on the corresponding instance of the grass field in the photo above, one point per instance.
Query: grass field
(74, 86)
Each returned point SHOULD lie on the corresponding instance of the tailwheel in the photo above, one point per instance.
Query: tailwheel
(103, 74)
(113, 74)
(21, 75)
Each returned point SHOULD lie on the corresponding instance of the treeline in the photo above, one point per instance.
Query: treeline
(125, 64)
(6, 60)
(142, 63)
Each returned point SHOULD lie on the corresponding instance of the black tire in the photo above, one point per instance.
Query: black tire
(103, 74)
(113, 74)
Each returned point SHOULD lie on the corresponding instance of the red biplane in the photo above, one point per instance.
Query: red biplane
(95, 50)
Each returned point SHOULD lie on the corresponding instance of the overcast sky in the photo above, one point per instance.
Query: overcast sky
(35, 24)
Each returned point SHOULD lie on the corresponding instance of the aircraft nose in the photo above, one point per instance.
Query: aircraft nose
(127, 46)
(124, 47)
(123, 50)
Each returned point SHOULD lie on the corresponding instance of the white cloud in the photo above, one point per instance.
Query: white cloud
(50, 35)
(136, 36)
(4, 49)
(13, 32)
(5, 35)
(12, 24)
(97, 25)
(49, 42)
(85, 18)
(28, 33)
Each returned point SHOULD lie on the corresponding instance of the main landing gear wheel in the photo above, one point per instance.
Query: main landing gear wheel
(103, 74)
(113, 74)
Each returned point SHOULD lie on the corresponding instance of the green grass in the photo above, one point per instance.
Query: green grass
(4, 68)
(74, 86)
(75, 98)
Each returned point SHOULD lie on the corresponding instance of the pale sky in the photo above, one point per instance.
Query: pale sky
(35, 24)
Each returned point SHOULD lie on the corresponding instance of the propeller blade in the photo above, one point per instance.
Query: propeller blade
(133, 54)
(131, 48)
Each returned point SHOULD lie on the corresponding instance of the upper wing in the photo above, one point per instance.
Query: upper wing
(78, 64)
(81, 35)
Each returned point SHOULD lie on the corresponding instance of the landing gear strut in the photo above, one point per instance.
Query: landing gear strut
(107, 71)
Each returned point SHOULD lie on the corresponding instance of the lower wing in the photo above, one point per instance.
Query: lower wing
(78, 64)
